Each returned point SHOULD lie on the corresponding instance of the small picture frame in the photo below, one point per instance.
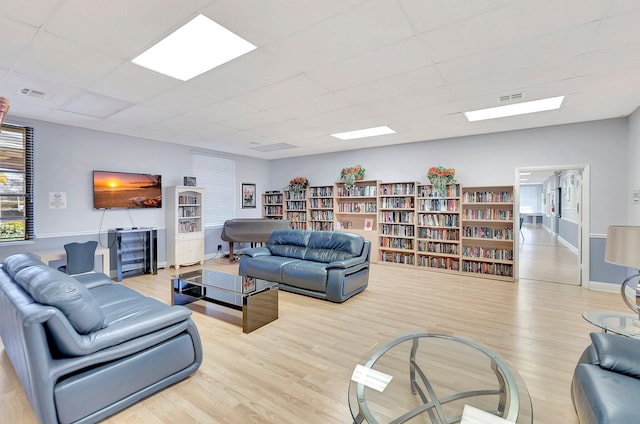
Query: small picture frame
(248, 195)
(368, 224)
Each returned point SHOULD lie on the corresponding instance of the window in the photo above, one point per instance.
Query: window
(531, 198)
(16, 183)
(217, 176)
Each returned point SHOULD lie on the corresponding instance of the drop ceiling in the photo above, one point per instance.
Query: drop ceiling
(321, 67)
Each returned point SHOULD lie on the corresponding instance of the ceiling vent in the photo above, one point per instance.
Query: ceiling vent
(510, 97)
(33, 93)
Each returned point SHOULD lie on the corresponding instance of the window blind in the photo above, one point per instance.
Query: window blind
(216, 176)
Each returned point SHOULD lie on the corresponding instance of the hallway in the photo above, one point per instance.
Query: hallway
(544, 258)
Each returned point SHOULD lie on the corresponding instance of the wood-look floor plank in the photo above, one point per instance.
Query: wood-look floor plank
(297, 368)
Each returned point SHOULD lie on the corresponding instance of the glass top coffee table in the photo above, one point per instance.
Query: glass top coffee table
(432, 378)
(614, 322)
(257, 299)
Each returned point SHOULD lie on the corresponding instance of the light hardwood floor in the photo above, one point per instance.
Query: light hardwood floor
(297, 368)
(543, 257)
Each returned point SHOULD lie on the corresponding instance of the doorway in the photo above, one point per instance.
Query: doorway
(553, 214)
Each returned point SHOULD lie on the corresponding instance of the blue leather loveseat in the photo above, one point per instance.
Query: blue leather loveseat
(328, 265)
(85, 348)
(606, 382)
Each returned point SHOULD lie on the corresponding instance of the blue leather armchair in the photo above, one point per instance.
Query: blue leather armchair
(328, 265)
(606, 382)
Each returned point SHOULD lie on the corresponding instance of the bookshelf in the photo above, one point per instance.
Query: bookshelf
(356, 211)
(396, 223)
(438, 228)
(272, 205)
(296, 209)
(320, 208)
(487, 232)
(185, 226)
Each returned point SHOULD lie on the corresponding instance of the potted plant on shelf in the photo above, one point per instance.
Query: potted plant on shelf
(298, 184)
(351, 175)
(440, 176)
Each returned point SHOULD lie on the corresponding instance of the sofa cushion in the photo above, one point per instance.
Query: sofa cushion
(49, 286)
(267, 267)
(305, 275)
(14, 263)
(329, 246)
(617, 353)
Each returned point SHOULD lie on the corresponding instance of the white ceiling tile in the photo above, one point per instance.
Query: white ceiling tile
(20, 36)
(427, 15)
(282, 93)
(395, 59)
(618, 30)
(56, 94)
(55, 59)
(222, 111)
(138, 26)
(34, 12)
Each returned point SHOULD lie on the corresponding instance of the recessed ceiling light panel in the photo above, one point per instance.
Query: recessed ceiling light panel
(195, 48)
(541, 105)
(367, 132)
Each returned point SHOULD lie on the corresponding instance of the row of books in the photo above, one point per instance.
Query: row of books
(487, 253)
(397, 230)
(396, 202)
(187, 227)
(488, 197)
(451, 190)
(188, 211)
(297, 225)
(434, 247)
(186, 199)
(321, 226)
(439, 262)
(492, 214)
(441, 205)
(397, 189)
(297, 216)
(505, 270)
(320, 192)
(273, 199)
(321, 215)
(295, 195)
(358, 207)
(296, 206)
(505, 233)
(361, 191)
(397, 257)
(321, 203)
(396, 243)
(397, 216)
(439, 220)
(439, 234)
(272, 210)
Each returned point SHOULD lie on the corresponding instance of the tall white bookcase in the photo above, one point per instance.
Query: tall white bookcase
(185, 226)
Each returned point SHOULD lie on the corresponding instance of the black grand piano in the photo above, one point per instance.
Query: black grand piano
(250, 230)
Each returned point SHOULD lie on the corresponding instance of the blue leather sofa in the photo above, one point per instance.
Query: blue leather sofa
(85, 348)
(606, 382)
(328, 265)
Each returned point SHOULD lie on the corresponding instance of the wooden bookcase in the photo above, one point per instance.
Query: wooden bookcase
(356, 211)
(488, 232)
(295, 207)
(320, 208)
(396, 223)
(438, 228)
(272, 205)
(185, 226)
(468, 230)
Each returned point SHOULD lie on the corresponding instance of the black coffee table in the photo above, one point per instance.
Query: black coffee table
(257, 299)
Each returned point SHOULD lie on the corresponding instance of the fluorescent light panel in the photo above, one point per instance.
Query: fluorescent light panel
(195, 48)
(367, 132)
(541, 105)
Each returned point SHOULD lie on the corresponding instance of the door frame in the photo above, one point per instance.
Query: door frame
(584, 224)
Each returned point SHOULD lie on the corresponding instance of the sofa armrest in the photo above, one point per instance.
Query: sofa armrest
(346, 263)
(617, 353)
(257, 251)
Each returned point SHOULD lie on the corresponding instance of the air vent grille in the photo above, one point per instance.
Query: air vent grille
(511, 97)
(33, 93)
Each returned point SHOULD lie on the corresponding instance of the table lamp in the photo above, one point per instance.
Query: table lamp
(623, 248)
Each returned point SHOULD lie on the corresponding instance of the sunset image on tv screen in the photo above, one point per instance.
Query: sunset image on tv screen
(122, 190)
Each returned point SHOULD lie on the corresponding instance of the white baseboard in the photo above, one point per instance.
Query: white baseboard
(605, 287)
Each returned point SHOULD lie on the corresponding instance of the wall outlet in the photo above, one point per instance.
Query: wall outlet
(219, 247)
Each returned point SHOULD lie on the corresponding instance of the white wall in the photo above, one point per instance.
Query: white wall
(489, 159)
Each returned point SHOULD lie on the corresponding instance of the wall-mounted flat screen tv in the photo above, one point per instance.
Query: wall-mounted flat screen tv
(126, 190)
